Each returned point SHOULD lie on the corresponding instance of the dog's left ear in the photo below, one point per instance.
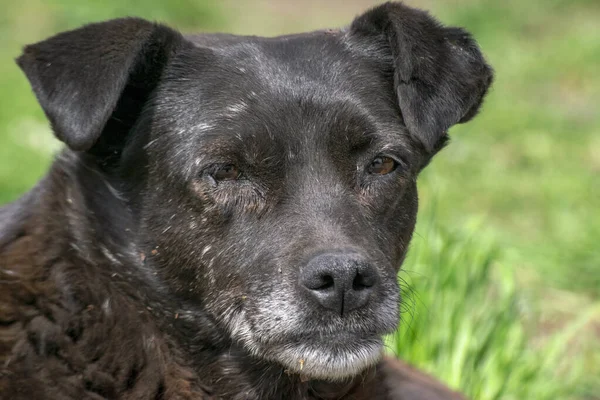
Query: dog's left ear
(439, 74)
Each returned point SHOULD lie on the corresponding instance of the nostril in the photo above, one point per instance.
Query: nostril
(327, 282)
(320, 282)
(363, 281)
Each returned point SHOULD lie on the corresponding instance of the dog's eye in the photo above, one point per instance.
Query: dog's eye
(382, 165)
(227, 172)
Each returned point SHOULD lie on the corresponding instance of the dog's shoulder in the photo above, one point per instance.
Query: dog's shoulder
(65, 332)
(404, 382)
(25, 295)
(394, 379)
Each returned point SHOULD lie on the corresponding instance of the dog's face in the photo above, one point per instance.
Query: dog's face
(291, 198)
(274, 179)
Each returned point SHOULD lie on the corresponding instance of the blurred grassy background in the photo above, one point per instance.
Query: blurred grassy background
(502, 285)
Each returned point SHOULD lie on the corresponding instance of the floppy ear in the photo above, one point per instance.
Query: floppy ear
(439, 74)
(99, 74)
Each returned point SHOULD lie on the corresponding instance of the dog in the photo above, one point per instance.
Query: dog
(229, 213)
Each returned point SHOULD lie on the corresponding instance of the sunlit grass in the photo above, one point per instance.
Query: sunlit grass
(465, 321)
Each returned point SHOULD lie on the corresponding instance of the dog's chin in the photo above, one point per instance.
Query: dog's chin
(329, 361)
(336, 359)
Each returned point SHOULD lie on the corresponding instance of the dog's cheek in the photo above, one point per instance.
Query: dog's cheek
(252, 277)
(199, 247)
(402, 225)
(178, 242)
(391, 208)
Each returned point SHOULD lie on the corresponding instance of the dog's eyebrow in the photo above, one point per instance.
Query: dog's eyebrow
(359, 128)
(359, 138)
(220, 141)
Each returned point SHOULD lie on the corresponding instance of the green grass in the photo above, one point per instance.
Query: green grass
(466, 321)
(507, 307)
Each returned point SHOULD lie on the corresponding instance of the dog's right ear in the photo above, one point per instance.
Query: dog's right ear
(98, 73)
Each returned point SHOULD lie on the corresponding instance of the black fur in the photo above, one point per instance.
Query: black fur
(133, 271)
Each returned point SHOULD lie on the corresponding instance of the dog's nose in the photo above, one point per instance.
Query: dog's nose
(340, 282)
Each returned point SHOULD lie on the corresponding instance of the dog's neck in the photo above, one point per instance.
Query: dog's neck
(95, 229)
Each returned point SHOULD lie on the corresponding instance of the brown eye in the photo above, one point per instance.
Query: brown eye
(227, 172)
(382, 165)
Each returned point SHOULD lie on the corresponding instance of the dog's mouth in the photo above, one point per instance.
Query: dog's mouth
(311, 342)
(332, 358)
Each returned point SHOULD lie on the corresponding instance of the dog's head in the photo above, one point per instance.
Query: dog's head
(274, 177)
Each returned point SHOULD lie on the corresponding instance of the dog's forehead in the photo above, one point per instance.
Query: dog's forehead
(226, 76)
(317, 54)
(317, 64)
(295, 94)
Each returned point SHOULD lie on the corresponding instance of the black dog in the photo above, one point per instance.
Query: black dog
(231, 212)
